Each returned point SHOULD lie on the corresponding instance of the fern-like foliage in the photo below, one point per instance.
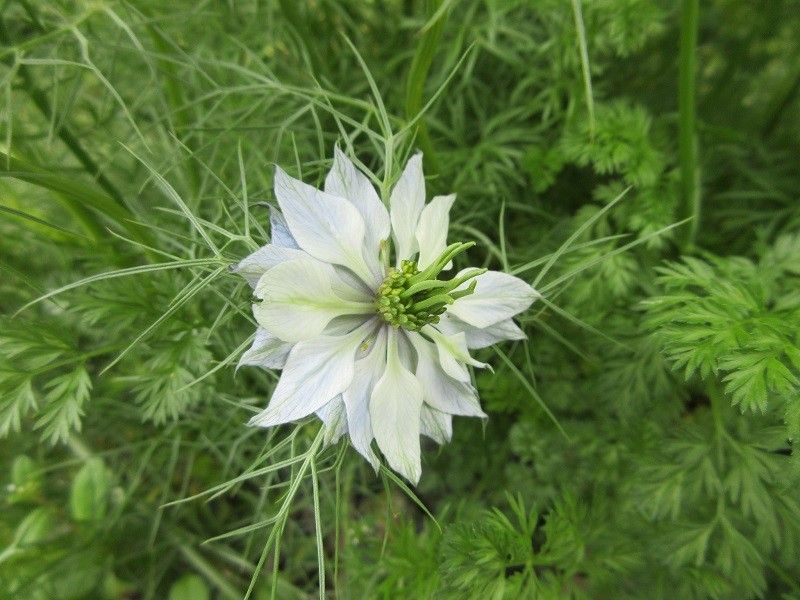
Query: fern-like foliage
(41, 372)
(489, 558)
(620, 143)
(736, 320)
(723, 482)
(525, 554)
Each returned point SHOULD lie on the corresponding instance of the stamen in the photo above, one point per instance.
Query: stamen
(440, 263)
(423, 285)
(441, 299)
(466, 292)
(411, 299)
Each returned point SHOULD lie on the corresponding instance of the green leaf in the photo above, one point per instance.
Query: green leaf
(189, 587)
(89, 496)
(34, 527)
(26, 480)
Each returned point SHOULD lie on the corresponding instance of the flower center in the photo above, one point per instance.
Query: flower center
(411, 298)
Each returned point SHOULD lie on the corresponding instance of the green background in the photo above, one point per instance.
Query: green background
(636, 160)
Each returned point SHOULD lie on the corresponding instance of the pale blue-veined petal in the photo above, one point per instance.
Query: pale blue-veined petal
(279, 230)
(334, 418)
(316, 371)
(405, 206)
(440, 390)
(477, 337)
(299, 299)
(346, 181)
(368, 369)
(497, 297)
(394, 408)
(436, 425)
(253, 266)
(329, 228)
(267, 351)
(432, 229)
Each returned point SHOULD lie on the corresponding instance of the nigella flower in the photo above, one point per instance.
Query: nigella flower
(378, 352)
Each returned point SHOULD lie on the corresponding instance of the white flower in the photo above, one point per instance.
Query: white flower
(376, 352)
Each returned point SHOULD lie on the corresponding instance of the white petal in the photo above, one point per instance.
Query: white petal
(327, 227)
(346, 181)
(405, 205)
(453, 353)
(481, 338)
(357, 397)
(497, 297)
(432, 229)
(335, 420)
(316, 371)
(267, 351)
(436, 425)
(405, 349)
(345, 285)
(299, 299)
(262, 260)
(394, 409)
(439, 390)
(279, 230)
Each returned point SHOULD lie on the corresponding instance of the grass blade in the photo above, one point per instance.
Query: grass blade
(689, 204)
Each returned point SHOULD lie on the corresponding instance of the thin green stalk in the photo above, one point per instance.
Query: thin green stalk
(178, 119)
(339, 522)
(305, 31)
(781, 100)
(719, 404)
(318, 529)
(37, 221)
(283, 514)
(79, 448)
(587, 74)
(418, 75)
(201, 565)
(689, 205)
(531, 390)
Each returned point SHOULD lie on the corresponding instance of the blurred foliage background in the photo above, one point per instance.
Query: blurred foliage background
(640, 443)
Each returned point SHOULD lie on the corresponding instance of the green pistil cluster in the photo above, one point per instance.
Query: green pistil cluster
(411, 298)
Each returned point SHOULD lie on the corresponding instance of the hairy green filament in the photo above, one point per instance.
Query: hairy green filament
(411, 298)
